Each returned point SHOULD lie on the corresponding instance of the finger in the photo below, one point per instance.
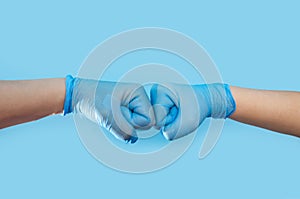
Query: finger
(120, 127)
(140, 112)
(188, 117)
(127, 136)
(175, 129)
(164, 105)
(132, 118)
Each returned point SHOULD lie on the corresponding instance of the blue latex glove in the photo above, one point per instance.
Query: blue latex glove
(180, 109)
(119, 107)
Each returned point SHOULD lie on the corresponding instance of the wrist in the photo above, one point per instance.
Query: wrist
(218, 99)
(69, 83)
(230, 101)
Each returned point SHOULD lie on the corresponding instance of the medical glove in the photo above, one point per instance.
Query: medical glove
(179, 109)
(121, 108)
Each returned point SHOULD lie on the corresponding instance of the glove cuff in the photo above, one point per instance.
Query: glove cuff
(230, 102)
(69, 93)
(222, 104)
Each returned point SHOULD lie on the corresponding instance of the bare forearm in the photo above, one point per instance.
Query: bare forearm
(26, 100)
(274, 110)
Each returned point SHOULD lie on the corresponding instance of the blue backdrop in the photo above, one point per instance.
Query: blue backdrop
(254, 44)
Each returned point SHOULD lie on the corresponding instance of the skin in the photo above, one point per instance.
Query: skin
(27, 100)
(274, 110)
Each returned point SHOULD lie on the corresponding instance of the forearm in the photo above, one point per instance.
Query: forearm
(28, 100)
(274, 110)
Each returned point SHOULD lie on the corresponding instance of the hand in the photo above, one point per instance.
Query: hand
(119, 107)
(180, 109)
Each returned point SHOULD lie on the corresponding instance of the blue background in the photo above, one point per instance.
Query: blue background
(254, 44)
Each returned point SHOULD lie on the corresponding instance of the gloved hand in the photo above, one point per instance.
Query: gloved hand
(179, 109)
(119, 107)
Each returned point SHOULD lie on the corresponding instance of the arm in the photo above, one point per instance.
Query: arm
(274, 110)
(180, 109)
(121, 108)
(28, 100)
